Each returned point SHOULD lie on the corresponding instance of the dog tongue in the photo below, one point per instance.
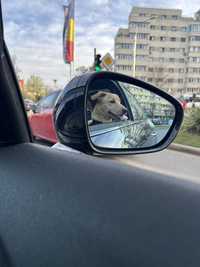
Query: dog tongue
(124, 118)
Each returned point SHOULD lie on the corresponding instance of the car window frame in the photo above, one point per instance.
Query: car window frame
(41, 104)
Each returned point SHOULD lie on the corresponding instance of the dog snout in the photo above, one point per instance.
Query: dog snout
(124, 111)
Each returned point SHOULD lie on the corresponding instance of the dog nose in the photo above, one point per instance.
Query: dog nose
(124, 110)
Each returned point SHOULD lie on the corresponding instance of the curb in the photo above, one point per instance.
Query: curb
(185, 149)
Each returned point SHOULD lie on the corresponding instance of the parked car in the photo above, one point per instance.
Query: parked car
(41, 120)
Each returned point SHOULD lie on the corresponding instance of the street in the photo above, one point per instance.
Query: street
(169, 162)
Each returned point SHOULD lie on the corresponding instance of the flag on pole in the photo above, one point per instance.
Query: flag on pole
(68, 32)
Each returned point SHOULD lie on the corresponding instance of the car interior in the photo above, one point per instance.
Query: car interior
(64, 209)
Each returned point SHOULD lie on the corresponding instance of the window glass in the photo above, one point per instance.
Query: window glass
(159, 45)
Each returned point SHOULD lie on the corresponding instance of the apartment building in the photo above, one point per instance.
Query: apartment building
(165, 46)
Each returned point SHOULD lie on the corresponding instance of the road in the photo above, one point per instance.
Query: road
(169, 162)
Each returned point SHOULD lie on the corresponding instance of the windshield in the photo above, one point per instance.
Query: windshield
(51, 42)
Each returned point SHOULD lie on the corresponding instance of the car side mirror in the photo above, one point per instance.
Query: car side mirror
(119, 115)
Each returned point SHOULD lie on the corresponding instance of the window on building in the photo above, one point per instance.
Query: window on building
(140, 68)
(195, 28)
(132, 35)
(124, 56)
(180, 80)
(183, 29)
(181, 70)
(160, 69)
(151, 49)
(194, 49)
(173, 28)
(183, 39)
(142, 36)
(173, 39)
(195, 38)
(170, 80)
(195, 59)
(150, 69)
(171, 70)
(163, 28)
(163, 16)
(162, 49)
(159, 80)
(141, 46)
(141, 57)
(123, 67)
(172, 49)
(153, 27)
(163, 38)
(124, 46)
(174, 17)
(171, 59)
(152, 38)
(142, 14)
(136, 24)
(195, 70)
(150, 80)
(181, 60)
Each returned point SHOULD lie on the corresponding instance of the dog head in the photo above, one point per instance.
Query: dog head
(107, 107)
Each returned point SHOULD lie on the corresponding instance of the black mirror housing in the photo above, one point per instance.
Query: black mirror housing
(81, 138)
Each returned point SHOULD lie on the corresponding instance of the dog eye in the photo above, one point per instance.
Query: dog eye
(112, 101)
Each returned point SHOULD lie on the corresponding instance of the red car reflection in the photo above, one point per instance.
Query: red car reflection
(41, 121)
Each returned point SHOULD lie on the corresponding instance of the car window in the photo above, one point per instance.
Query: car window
(159, 45)
(49, 101)
(136, 108)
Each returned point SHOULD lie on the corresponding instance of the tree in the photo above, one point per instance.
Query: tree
(35, 88)
(192, 121)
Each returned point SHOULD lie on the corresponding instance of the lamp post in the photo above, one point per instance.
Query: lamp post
(135, 43)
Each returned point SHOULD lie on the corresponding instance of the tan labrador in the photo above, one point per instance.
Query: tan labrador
(108, 107)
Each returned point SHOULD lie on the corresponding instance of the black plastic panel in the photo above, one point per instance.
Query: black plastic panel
(63, 209)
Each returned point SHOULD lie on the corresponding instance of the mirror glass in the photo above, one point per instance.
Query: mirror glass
(124, 116)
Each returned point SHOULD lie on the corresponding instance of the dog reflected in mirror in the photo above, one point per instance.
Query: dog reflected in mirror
(106, 107)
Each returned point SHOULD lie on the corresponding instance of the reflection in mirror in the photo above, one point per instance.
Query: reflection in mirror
(124, 116)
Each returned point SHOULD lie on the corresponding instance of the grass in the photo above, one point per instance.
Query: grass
(185, 138)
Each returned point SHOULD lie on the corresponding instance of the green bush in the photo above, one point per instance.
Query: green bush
(192, 121)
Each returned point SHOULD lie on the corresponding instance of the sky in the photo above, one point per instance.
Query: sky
(33, 31)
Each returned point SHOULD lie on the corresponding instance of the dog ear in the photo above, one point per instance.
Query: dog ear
(98, 95)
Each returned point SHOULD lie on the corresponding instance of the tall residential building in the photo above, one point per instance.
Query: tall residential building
(167, 50)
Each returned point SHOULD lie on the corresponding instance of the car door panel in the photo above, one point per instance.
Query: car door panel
(99, 214)
(48, 126)
(42, 121)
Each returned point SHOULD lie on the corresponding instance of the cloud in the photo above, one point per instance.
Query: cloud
(33, 31)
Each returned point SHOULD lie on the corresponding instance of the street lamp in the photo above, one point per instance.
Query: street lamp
(135, 43)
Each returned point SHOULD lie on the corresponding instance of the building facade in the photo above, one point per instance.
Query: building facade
(166, 49)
